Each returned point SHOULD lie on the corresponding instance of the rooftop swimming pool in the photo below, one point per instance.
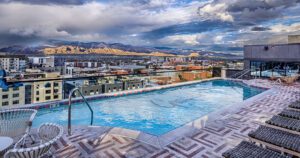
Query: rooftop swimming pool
(156, 112)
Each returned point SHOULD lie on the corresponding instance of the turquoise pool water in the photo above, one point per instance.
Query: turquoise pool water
(156, 112)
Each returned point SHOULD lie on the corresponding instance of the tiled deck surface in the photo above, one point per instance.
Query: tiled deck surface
(211, 141)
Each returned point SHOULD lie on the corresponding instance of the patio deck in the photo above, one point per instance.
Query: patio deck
(209, 142)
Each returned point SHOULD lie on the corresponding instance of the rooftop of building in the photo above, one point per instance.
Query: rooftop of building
(228, 129)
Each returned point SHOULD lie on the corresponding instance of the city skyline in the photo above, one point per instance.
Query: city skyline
(207, 24)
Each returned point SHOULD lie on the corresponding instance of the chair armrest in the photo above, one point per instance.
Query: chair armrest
(20, 140)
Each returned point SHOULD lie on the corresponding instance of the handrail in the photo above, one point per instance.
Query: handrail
(244, 73)
(236, 74)
(70, 106)
(240, 74)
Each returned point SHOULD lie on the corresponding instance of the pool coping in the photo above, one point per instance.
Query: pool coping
(161, 141)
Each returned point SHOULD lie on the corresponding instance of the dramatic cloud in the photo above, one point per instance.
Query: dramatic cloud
(216, 11)
(64, 2)
(205, 24)
(246, 10)
(258, 28)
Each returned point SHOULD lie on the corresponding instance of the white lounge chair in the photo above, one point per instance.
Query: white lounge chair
(15, 123)
(48, 134)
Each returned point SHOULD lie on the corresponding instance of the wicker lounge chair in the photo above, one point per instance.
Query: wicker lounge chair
(250, 150)
(16, 123)
(295, 105)
(290, 79)
(48, 134)
(290, 113)
(284, 122)
(277, 139)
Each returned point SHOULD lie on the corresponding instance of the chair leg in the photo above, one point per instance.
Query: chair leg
(23, 142)
(51, 154)
(32, 139)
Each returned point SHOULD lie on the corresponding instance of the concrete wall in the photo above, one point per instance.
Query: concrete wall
(113, 87)
(91, 90)
(294, 38)
(283, 53)
(128, 85)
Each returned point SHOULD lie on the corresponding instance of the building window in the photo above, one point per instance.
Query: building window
(56, 84)
(28, 101)
(48, 91)
(5, 103)
(56, 90)
(274, 69)
(5, 90)
(5, 96)
(28, 87)
(47, 98)
(37, 99)
(48, 85)
(16, 102)
(55, 97)
(37, 92)
(16, 95)
(16, 88)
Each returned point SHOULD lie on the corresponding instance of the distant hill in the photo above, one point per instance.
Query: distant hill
(73, 47)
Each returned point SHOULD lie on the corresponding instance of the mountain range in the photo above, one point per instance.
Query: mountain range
(74, 47)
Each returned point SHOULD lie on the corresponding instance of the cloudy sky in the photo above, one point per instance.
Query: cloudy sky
(218, 25)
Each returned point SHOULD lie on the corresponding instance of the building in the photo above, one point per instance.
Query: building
(13, 63)
(43, 62)
(103, 85)
(188, 67)
(43, 91)
(87, 87)
(82, 67)
(12, 96)
(272, 60)
(193, 75)
(130, 84)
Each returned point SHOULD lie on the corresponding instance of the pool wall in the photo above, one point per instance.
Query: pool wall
(117, 94)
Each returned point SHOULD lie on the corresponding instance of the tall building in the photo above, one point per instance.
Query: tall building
(13, 63)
